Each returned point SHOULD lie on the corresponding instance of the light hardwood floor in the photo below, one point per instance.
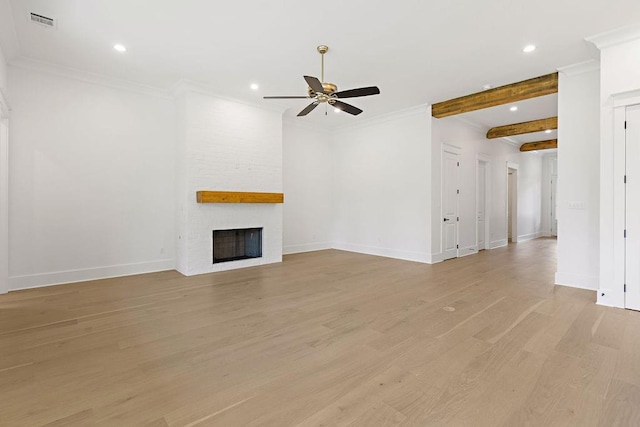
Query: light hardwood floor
(325, 338)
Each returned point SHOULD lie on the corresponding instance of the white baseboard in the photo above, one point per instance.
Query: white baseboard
(308, 247)
(498, 243)
(469, 250)
(71, 276)
(385, 252)
(525, 237)
(436, 258)
(581, 281)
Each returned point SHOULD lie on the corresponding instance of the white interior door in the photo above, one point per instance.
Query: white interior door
(450, 192)
(482, 205)
(554, 220)
(632, 221)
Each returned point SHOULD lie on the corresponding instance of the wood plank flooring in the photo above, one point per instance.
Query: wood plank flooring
(324, 339)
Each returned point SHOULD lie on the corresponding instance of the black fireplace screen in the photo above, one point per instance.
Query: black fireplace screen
(233, 245)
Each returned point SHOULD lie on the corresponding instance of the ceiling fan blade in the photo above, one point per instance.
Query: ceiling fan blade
(314, 84)
(286, 97)
(347, 108)
(363, 91)
(309, 108)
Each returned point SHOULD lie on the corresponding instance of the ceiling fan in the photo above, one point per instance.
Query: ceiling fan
(323, 92)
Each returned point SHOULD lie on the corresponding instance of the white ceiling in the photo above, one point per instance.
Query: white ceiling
(416, 51)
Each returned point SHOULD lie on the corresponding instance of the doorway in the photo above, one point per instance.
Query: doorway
(482, 203)
(512, 203)
(450, 193)
(553, 186)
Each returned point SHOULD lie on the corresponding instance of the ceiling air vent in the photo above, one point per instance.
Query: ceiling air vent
(43, 20)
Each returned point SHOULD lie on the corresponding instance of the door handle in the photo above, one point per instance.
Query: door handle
(446, 219)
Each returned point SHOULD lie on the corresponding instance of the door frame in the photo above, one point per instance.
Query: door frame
(630, 154)
(486, 159)
(612, 205)
(514, 213)
(451, 149)
(4, 195)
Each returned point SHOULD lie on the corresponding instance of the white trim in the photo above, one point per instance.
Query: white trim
(436, 258)
(186, 86)
(615, 37)
(514, 218)
(423, 257)
(498, 244)
(307, 247)
(511, 165)
(87, 77)
(525, 237)
(469, 250)
(615, 293)
(486, 159)
(417, 110)
(83, 275)
(4, 204)
(451, 149)
(626, 99)
(581, 281)
(580, 68)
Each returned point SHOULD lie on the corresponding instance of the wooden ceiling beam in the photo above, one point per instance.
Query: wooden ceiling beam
(540, 145)
(522, 128)
(539, 86)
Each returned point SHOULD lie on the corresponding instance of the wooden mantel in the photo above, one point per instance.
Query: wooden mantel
(238, 197)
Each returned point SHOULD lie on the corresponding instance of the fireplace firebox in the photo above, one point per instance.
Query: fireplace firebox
(237, 244)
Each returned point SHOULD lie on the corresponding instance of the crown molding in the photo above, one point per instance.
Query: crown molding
(615, 37)
(469, 123)
(505, 140)
(580, 68)
(422, 109)
(184, 86)
(87, 77)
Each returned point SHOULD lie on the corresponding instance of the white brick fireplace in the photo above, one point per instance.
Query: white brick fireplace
(225, 145)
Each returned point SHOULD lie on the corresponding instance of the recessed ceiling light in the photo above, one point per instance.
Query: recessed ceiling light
(120, 47)
(547, 131)
(254, 86)
(514, 108)
(529, 48)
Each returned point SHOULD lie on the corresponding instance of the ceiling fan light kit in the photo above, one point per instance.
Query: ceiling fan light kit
(323, 92)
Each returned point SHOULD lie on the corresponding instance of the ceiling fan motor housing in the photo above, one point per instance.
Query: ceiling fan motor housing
(329, 88)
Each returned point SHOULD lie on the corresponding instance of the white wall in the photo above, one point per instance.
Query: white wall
(578, 201)
(307, 175)
(226, 145)
(619, 79)
(381, 184)
(3, 73)
(4, 179)
(92, 181)
(472, 142)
